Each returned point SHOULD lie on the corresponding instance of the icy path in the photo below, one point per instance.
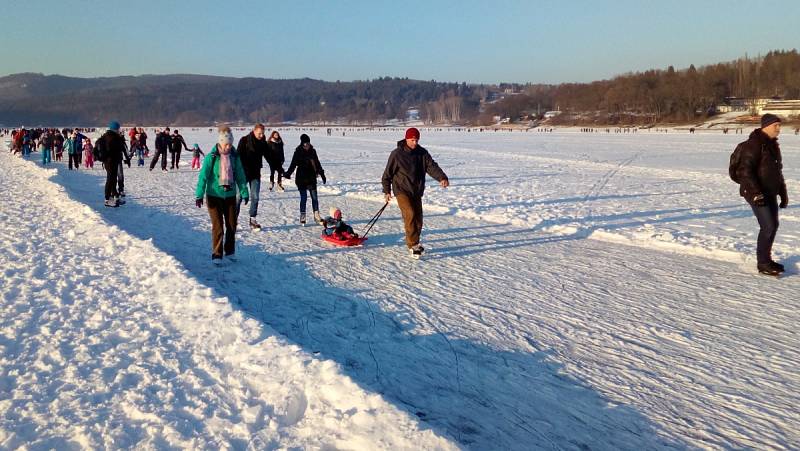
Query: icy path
(108, 342)
(525, 336)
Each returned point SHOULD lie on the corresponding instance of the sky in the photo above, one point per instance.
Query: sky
(457, 41)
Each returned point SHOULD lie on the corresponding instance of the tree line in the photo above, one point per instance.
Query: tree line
(653, 96)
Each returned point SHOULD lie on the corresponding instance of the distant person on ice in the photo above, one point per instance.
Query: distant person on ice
(760, 177)
(176, 144)
(163, 142)
(218, 180)
(405, 176)
(308, 167)
(275, 158)
(111, 149)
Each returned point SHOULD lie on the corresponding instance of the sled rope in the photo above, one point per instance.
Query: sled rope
(374, 220)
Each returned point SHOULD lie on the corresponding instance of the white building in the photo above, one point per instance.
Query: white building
(783, 108)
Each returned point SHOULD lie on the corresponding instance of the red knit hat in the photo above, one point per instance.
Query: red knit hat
(412, 133)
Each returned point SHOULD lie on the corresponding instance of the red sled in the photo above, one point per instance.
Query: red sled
(353, 241)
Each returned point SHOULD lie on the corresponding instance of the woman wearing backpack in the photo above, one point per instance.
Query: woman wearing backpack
(221, 174)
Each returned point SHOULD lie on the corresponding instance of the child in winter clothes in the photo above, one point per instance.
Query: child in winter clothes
(336, 227)
(196, 152)
(88, 157)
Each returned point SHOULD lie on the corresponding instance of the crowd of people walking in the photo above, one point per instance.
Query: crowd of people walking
(231, 176)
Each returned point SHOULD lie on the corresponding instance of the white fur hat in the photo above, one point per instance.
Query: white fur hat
(225, 138)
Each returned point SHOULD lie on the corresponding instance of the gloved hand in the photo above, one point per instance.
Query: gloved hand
(198, 202)
(784, 201)
(323, 179)
(759, 201)
(246, 200)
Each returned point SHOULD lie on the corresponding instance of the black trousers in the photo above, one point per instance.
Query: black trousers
(163, 155)
(176, 158)
(112, 168)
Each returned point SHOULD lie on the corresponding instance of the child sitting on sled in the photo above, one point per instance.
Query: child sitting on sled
(336, 227)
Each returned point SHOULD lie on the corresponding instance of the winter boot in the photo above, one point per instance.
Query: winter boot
(317, 217)
(302, 218)
(416, 251)
(111, 203)
(778, 266)
(254, 225)
(119, 201)
(768, 269)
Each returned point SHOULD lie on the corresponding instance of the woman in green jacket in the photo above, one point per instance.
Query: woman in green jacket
(218, 179)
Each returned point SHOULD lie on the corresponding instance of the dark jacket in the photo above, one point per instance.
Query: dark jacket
(162, 141)
(176, 143)
(405, 171)
(251, 150)
(760, 167)
(275, 155)
(307, 165)
(113, 148)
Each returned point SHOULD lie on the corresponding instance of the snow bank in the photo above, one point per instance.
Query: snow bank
(107, 342)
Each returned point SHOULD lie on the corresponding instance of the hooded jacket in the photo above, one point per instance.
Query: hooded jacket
(405, 171)
(760, 168)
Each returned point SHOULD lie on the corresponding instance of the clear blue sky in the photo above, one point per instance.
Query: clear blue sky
(472, 41)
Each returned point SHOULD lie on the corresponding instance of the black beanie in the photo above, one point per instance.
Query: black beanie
(304, 139)
(769, 119)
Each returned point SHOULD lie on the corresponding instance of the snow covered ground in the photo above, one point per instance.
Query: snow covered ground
(581, 291)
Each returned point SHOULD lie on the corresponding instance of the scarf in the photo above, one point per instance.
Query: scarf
(225, 167)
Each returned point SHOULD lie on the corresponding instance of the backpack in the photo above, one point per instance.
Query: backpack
(99, 151)
(733, 166)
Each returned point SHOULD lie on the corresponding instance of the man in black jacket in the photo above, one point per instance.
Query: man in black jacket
(176, 144)
(760, 175)
(162, 144)
(252, 149)
(405, 175)
(112, 149)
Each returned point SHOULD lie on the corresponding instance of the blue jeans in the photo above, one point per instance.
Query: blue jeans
(304, 190)
(767, 217)
(254, 186)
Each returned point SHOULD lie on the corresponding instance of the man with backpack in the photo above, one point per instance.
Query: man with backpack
(757, 166)
(110, 149)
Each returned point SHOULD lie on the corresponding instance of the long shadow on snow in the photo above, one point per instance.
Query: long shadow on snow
(482, 397)
(509, 239)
